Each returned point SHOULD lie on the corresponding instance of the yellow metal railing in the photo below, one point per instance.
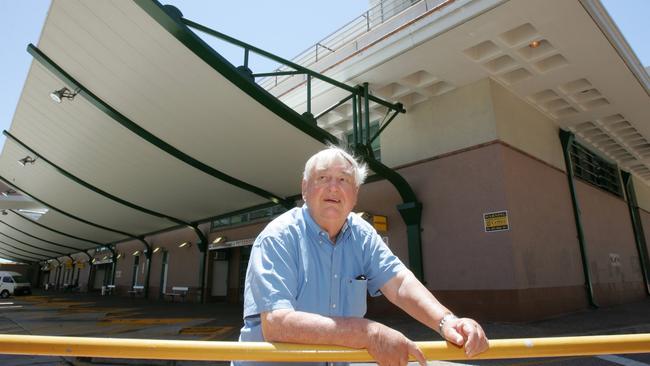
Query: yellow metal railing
(260, 351)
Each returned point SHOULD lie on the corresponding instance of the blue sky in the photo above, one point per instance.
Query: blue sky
(282, 27)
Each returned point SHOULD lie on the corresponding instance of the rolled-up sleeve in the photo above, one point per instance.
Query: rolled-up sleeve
(271, 277)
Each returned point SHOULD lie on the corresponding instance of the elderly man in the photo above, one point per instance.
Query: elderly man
(311, 267)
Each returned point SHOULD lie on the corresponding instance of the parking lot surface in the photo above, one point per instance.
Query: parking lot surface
(91, 315)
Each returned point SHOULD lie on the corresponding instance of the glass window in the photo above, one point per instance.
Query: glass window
(7, 279)
(20, 279)
(595, 170)
(255, 215)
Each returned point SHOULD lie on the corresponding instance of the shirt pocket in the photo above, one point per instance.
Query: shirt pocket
(355, 295)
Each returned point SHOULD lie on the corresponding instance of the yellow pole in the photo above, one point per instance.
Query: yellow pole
(260, 351)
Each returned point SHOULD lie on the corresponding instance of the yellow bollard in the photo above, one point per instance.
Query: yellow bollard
(261, 351)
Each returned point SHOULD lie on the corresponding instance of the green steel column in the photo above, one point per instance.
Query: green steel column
(410, 210)
(637, 227)
(90, 271)
(567, 138)
(203, 248)
(147, 255)
(411, 213)
(366, 116)
(354, 119)
(113, 263)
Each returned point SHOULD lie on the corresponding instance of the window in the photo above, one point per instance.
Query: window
(595, 170)
(20, 279)
(376, 148)
(7, 279)
(253, 216)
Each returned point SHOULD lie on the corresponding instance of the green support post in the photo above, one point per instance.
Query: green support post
(203, 248)
(567, 138)
(637, 227)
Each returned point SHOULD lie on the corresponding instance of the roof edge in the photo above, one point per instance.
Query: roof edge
(613, 34)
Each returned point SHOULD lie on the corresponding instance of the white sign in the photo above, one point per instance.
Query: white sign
(232, 244)
(614, 260)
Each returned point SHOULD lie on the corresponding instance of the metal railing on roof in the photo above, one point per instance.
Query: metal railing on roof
(364, 23)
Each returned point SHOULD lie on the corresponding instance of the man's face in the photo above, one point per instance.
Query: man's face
(330, 194)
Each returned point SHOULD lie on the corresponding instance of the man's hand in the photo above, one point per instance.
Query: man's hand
(391, 348)
(466, 333)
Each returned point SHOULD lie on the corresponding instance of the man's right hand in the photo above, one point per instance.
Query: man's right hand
(391, 348)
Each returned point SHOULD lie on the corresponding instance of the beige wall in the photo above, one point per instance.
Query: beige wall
(608, 231)
(524, 127)
(642, 191)
(449, 122)
(545, 247)
(455, 192)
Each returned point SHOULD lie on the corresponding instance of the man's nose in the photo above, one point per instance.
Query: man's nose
(333, 184)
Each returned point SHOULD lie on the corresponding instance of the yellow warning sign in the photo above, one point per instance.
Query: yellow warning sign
(496, 221)
(380, 223)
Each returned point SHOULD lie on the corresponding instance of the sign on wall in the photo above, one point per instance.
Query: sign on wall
(614, 259)
(496, 221)
(232, 244)
(380, 223)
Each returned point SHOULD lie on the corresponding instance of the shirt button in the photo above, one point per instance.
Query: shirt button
(336, 276)
(334, 306)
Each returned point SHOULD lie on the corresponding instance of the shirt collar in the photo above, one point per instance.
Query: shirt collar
(315, 229)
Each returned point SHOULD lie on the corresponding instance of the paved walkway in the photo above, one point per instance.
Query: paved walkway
(120, 317)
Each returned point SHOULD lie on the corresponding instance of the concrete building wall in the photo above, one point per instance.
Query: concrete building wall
(612, 253)
(525, 128)
(642, 191)
(452, 121)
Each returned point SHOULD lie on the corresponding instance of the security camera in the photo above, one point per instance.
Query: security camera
(4, 212)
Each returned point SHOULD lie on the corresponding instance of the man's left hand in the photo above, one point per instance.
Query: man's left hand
(466, 333)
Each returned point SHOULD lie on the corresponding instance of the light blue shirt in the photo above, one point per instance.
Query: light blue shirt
(294, 265)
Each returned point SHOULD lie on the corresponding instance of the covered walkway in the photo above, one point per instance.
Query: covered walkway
(130, 125)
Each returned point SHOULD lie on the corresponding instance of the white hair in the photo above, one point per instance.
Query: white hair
(328, 156)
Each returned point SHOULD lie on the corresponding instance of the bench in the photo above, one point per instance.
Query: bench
(137, 290)
(177, 291)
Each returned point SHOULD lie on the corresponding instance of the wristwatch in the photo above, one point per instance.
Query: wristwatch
(444, 320)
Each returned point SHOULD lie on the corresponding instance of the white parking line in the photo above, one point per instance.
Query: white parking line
(6, 303)
(622, 360)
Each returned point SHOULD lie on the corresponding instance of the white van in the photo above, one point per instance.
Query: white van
(13, 283)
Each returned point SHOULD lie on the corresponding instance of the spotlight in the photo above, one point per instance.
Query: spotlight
(156, 249)
(26, 160)
(219, 239)
(137, 252)
(534, 44)
(8, 192)
(63, 93)
(185, 244)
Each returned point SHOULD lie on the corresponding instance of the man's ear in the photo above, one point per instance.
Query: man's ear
(303, 186)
